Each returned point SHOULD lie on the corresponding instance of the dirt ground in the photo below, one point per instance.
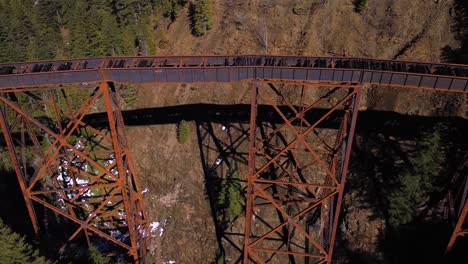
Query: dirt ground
(173, 173)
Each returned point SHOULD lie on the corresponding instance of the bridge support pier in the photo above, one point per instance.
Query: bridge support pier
(458, 206)
(83, 174)
(297, 171)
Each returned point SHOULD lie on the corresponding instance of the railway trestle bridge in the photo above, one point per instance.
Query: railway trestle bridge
(95, 187)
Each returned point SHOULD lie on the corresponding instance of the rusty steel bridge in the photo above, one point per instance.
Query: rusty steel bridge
(97, 190)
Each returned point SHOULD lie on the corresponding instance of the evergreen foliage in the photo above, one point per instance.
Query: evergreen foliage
(201, 16)
(14, 249)
(183, 132)
(5, 159)
(46, 29)
(129, 94)
(230, 197)
(30, 29)
(360, 5)
(171, 8)
(96, 257)
(419, 181)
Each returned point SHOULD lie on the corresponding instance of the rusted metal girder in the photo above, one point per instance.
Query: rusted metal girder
(458, 206)
(232, 68)
(84, 174)
(294, 171)
(297, 173)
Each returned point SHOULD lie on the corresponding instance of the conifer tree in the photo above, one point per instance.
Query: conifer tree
(202, 16)
(111, 35)
(419, 180)
(14, 249)
(78, 32)
(95, 257)
(171, 8)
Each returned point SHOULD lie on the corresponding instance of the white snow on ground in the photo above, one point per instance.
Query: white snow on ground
(117, 235)
(169, 262)
(154, 226)
(64, 177)
(79, 145)
(157, 226)
(145, 191)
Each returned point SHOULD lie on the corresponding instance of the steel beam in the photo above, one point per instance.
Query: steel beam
(294, 180)
(458, 206)
(96, 189)
(19, 171)
(233, 68)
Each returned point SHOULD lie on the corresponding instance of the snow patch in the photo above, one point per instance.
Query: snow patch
(154, 226)
(157, 227)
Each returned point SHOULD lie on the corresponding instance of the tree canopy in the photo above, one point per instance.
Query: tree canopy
(419, 180)
(14, 248)
(46, 29)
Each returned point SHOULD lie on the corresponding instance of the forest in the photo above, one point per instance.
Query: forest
(46, 29)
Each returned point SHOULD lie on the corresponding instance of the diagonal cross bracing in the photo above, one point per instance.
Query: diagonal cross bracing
(289, 177)
(295, 171)
(81, 173)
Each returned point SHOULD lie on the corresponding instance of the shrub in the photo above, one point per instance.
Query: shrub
(163, 40)
(96, 257)
(201, 12)
(300, 9)
(419, 180)
(171, 8)
(230, 197)
(5, 159)
(360, 5)
(129, 94)
(182, 131)
(14, 249)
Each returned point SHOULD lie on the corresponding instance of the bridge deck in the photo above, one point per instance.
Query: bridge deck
(193, 69)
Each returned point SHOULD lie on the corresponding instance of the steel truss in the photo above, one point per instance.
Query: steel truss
(295, 183)
(297, 172)
(458, 206)
(82, 173)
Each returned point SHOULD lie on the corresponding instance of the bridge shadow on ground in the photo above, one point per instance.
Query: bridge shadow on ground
(240, 113)
(222, 132)
(383, 151)
(223, 151)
